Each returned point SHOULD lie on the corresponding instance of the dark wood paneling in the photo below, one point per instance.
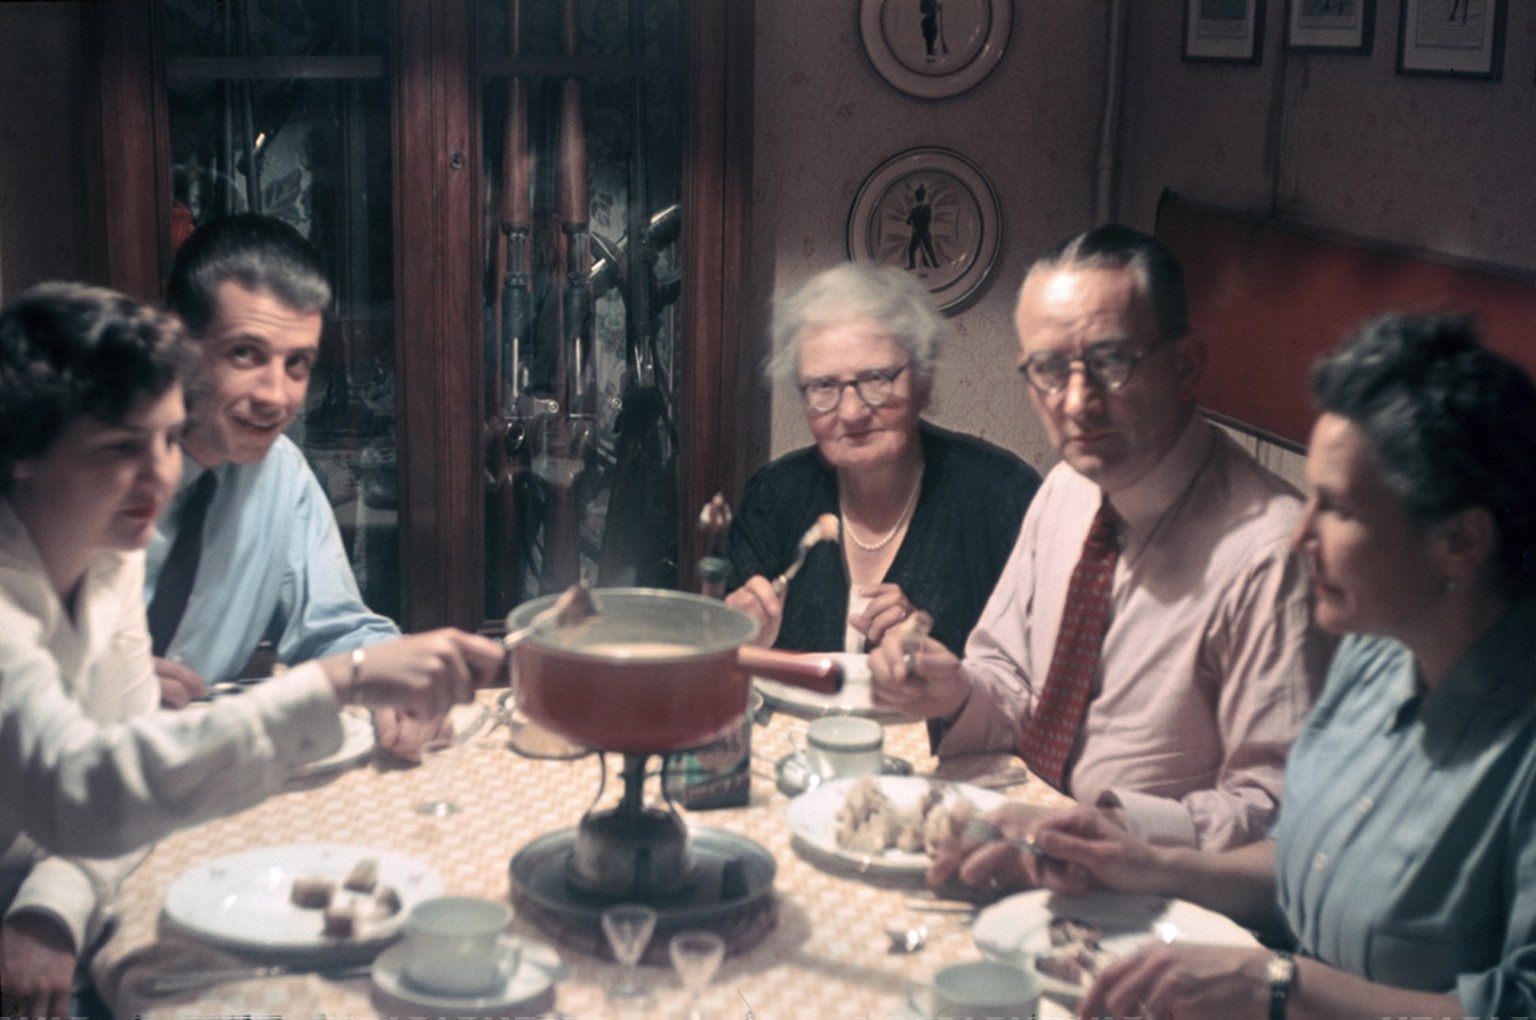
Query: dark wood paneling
(437, 309)
(717, 183)
(127, 194)
(1270, 297)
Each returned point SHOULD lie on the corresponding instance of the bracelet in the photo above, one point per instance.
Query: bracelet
(355, 691)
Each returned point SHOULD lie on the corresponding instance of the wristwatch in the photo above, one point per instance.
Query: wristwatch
(1281, 972)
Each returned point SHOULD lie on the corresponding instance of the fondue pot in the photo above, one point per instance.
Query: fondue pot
(653, 671)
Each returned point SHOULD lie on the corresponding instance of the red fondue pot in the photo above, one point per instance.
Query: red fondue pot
(654, 671)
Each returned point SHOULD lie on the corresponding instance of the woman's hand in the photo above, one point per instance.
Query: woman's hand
(424, 673)
(928, 685)
(758, 600)
(888, 606)
(37, 966)
(1190, 982)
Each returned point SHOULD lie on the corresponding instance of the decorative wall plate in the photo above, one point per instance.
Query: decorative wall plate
(933, 213)
(934, 49)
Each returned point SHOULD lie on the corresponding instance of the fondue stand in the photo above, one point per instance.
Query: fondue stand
(654, 673)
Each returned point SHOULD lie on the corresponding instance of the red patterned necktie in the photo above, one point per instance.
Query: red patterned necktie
(1052, 729)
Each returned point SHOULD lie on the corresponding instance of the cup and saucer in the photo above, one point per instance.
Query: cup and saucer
(456, 956)
(836, 747)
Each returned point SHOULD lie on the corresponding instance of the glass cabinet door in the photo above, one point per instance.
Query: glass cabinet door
(282, 108)
(583, 123)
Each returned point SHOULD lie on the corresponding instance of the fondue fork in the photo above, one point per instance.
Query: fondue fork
(826, 529)
(574, 608)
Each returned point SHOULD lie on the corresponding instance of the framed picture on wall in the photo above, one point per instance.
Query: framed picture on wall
(1451, 38)
(1224, 31)
(933, 213)
(1330, 26)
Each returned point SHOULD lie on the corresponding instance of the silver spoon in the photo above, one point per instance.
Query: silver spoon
(912, 940)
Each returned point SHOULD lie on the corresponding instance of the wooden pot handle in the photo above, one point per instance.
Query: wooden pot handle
(822, 674)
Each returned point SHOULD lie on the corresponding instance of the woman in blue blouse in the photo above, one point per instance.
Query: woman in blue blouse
(1404, 862)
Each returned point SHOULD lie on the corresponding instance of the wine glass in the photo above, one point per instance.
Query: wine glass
(628, 927)
(696, 955)
(437, 766)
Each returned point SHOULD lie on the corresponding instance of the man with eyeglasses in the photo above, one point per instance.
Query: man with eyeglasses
(1149, 648)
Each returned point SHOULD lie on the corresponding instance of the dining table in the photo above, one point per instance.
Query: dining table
(822, 952)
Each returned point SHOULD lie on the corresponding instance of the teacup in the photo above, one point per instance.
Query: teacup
(978, 988)
(458, 945)
(843, 746)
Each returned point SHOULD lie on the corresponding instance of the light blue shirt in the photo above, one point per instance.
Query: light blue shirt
(273, 567)
(1406, 847)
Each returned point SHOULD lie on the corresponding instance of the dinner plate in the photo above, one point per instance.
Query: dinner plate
(356, 745)
(533, 980)
(1017, 929)
(812, 817)
(243, 901)
(853, 699)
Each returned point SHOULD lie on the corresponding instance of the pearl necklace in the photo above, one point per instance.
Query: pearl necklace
(889, 536)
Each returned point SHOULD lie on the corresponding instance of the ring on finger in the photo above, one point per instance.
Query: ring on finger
(909, 663)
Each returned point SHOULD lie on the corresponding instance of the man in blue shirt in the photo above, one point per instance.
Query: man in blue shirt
(272, 565)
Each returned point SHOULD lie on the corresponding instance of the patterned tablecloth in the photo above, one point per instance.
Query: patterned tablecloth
(826, 957)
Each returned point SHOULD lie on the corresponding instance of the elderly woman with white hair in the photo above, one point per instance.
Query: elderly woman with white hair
(927, 517)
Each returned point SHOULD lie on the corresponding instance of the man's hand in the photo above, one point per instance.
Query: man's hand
(1084, 848)
(37, 966)
(758, 600)
(990, 868)
(925, 684)
(402, 733)
(179, 685)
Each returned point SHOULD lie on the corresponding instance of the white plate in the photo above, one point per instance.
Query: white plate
(356, 745)
(853, 699)
(243, 901)
(535, 976)
(812, 817)
(1017, 929)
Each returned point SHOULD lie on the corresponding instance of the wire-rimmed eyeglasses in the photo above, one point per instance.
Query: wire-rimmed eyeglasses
(1110, 364)
(875, 386)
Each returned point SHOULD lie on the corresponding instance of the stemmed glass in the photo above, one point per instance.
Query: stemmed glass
(628, 927)
(437, 766)
(696, 955)
(437, 762)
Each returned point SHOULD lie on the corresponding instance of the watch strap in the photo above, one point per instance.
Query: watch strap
(1282, 972)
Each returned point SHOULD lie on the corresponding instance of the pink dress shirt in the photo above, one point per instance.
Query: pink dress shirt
(1211, 661)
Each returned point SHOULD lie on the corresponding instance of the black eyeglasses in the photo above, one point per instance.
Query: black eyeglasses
(874, 386)
(1109, 364)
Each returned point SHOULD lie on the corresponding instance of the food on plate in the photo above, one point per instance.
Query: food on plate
(363, 876)
(386, 903)
(312, 892)
(340, 921)
(870, 823)
(1076, 955)
(361, 901)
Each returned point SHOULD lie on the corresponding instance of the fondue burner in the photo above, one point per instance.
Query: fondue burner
(694, 877)
(631, 852)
